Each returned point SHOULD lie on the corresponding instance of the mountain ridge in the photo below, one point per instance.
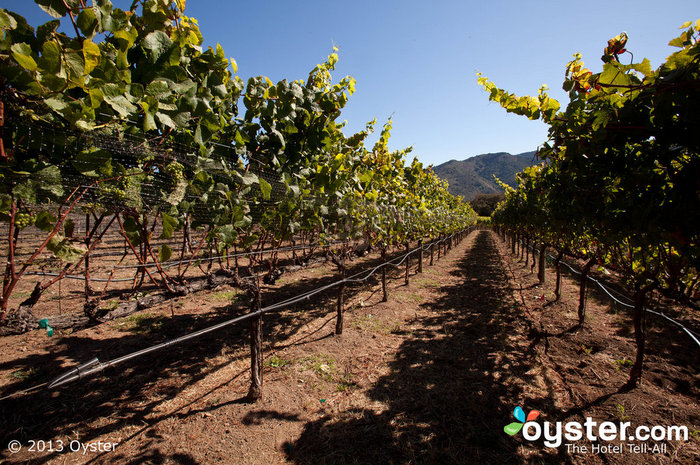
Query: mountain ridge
(474, 175)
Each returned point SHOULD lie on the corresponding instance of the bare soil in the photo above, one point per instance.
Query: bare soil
(431, 376)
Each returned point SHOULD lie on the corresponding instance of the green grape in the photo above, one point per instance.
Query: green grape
(176, 171)
(22, 220)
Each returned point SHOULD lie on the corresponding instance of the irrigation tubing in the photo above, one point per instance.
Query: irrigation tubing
(23, 392)
(95, 366)
(608, 292)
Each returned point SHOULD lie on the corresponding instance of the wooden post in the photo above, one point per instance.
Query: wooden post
(420, 255)
(385, 296)
(557, 266)
(339, 310)
(439, 244)
(2, 124)
(432, 250)
(256, 359)
(543, 262)
(527, 251)
(521, 243)
(640, 330)
(87, 258)
(408, 263)
(582, 291)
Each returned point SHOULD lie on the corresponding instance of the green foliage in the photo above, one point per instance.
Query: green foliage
(619, 175)
(281, 167)
(485, 204)
(276, 362)
(621, 413)
(324, 366)
(623, 363)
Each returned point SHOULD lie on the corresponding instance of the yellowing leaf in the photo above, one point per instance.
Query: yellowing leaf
(7, 21)
(22, 54)
(164, 253)
(91, 54)
(265, 188)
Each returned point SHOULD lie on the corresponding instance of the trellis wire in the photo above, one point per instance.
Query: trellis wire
(94, 366)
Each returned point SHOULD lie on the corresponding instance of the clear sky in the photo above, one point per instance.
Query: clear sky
(417, 60)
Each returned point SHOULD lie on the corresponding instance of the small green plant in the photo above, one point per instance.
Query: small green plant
(427, 283)
(139, 295)
(142, 323)
(345, 383)
(225, 296)
(23, 375)
(415, 298)
(368, 323)
(276, 362)
(110, 305)
(621, 413)
(322, 365)
(396, 328)
(586, 350)
(623, 362)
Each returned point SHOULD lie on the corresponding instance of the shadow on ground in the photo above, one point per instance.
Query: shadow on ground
(129, 395)
(453, 384)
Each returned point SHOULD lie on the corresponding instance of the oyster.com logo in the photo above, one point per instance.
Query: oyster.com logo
(515, 427)
(605, 436)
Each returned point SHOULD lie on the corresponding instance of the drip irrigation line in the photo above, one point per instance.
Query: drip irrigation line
(173, 263)
(23, 392)
(689, 332)
(348, 279)
(95, 366)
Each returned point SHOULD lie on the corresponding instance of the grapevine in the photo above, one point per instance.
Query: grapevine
(158, 147)
(618, 181)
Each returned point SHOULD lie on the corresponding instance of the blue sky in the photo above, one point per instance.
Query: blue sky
(417, 60)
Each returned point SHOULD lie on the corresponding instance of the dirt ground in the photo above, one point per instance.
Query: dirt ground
(431, 376)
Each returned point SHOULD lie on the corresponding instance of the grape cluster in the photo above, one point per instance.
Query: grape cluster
(115, 192)
(22, 220)
(176, 171)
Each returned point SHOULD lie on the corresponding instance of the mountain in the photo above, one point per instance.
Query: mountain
(475, 174)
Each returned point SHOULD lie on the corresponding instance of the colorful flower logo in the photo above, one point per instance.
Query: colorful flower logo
(515, 427)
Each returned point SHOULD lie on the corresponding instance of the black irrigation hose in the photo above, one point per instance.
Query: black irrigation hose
(608, 292)
(23, 392)
(95, 366)
(661, 314)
